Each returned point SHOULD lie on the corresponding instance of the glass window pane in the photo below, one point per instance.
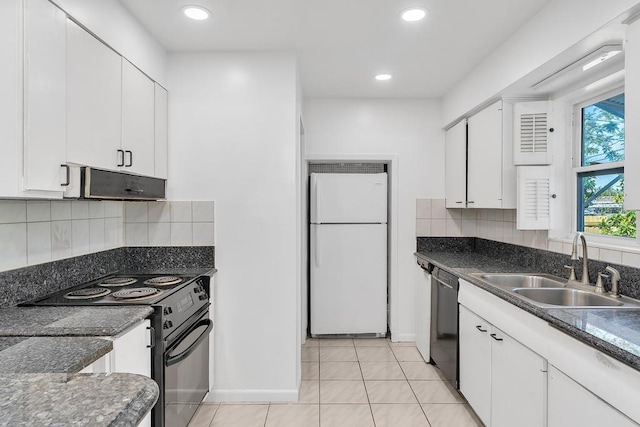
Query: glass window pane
(603, 131)
(600, 200)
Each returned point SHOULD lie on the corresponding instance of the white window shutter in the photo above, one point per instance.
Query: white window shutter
(531, 136)
(534, 194)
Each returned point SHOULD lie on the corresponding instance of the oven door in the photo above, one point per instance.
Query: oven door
(186, 372)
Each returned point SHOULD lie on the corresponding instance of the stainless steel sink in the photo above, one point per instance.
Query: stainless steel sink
(524, 280)
(567, 297)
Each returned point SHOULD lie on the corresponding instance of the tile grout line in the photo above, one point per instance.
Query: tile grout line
(412, 390)
(364, 384)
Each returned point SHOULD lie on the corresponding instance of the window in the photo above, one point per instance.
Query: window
(600, 175)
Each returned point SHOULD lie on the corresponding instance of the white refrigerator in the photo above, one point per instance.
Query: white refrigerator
(348, 254)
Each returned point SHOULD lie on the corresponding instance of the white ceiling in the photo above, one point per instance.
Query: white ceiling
(342, 44)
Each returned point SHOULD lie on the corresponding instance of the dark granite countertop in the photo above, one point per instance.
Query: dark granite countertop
(70, 321)
(54, 399)
(612, 331)
(50, 354)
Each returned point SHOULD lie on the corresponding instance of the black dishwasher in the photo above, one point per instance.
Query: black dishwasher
(444, 323)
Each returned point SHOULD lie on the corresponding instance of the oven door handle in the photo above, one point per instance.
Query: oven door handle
(172, 360)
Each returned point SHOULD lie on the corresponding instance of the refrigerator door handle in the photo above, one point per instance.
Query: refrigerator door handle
(316, 184)
(316, 256)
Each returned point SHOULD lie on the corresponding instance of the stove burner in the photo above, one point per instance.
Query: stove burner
(87, 293)
(163, 281)
(118, 281)
(135, 293)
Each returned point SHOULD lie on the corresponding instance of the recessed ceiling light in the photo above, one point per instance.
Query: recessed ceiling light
(383, 77)
(414, 14)
(197, 13)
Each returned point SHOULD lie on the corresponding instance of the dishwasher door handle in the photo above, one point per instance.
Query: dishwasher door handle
(446, 285)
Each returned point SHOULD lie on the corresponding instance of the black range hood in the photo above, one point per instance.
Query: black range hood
(109, 185)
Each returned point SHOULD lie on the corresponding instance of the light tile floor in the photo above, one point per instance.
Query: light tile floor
(354, 383)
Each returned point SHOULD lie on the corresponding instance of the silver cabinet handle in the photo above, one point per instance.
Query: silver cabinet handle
(121, 156)
(68, 175)
(128, 165)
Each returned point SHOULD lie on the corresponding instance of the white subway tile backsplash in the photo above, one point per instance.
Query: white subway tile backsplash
(113, 209)
(439, 227)
(60, 210)
(13, 211)
(181, 233)
(14, 245)
(423, 227)
(469, 227)
(61, 243)
(38, 211)
(113, 233)
(557, 247)
(80, 209)
(136, 212)
(136, 233)
(160, 234)
(159, 212)
(96, 209)
(423, 208)
(608, 255)
(631, 259)
(454, 227)
(38, 242)
(96, 234)
(438, 211)
(202, 211)
(36, 231)
(181, 212)
(80, 236)
(203, 233)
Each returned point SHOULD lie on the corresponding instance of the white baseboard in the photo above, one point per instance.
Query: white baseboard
(252, 396)
(398, 337)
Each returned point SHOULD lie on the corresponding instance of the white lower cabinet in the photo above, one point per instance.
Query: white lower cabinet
(131, 354)
(571, 405)
(503, 381)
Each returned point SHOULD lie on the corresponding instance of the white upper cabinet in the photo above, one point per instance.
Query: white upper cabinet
(456, 166)
(94, 101)
(632, 118)
(531, 133)
(534, 197)
(45, 116)
(138, 127)
(161, 135)
(491, 177)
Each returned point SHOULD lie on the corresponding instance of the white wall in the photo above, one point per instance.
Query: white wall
(557, 27)
(232, 127)
(409, 129)
(111, 21)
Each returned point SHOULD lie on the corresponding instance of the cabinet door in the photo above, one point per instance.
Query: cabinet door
(570, 405)
(485, 158)
(423, 313)
(475, 363)
(132, 355)
(456, 166)
(45, 94)
(138, 126)
(632, 122)
(161, 135)
(94, 100)
(518, 383)
(130, 351)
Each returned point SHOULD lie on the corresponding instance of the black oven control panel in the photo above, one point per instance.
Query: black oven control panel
(181, 305)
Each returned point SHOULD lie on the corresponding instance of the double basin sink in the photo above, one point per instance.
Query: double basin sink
(545, 290)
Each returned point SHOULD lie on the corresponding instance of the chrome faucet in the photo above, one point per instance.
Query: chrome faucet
(585, 258)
